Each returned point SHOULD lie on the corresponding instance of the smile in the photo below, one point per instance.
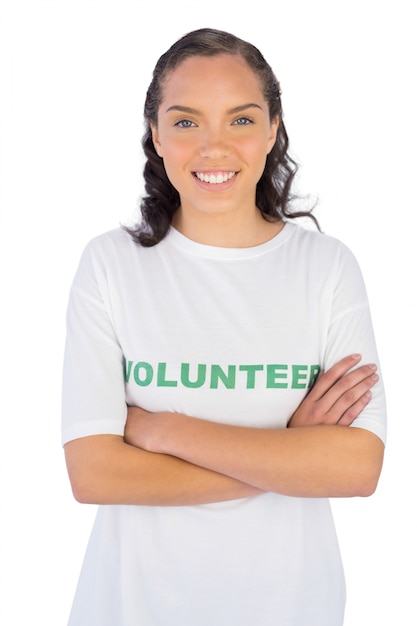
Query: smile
(214, 179)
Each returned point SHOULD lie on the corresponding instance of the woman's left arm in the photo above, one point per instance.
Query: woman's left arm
(311, 461)
(319, 457)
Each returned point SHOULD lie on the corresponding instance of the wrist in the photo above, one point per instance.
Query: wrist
(168, 426)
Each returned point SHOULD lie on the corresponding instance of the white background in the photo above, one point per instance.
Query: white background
(73, 76)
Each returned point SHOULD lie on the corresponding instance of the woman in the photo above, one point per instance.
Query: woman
(193, 346)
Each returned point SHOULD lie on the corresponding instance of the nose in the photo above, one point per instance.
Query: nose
(214, 144)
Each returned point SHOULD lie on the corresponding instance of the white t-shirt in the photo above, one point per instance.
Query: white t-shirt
(234, 335)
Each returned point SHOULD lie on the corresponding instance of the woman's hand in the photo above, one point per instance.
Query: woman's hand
(303, 462)
(142, 428)
(337, 397)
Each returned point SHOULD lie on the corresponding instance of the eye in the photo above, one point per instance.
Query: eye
(243, 121)
(185, 124)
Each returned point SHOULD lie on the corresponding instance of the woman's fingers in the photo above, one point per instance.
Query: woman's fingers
(354, 410)
(349, 390)
(354, 399)
(327, 380)
(338, 396)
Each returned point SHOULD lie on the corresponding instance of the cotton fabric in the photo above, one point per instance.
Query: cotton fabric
(233, 335)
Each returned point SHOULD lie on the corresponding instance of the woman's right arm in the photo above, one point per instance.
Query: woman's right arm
(103, 469)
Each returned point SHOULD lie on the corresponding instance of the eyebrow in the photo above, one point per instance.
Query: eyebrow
(191, 111)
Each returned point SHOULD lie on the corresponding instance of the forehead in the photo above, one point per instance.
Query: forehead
(210, 78)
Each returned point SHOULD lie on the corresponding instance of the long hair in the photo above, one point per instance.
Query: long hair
(273, 191)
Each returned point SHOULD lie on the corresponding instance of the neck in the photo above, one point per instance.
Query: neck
(226, 231)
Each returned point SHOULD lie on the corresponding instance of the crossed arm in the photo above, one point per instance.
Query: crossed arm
(173, 459)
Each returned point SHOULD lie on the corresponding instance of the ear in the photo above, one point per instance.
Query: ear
(273, 133)
(155, 139)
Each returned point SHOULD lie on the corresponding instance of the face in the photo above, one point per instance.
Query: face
(214, 134)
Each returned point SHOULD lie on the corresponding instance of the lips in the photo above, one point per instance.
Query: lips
(214, 178)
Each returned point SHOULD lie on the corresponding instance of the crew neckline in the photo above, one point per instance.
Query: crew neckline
(217, 252)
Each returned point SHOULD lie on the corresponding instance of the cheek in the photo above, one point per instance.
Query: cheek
(256, 148)
(176, 153)
(175, 161)
(255, 154)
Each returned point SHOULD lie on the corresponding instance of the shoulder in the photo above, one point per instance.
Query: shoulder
(111, 248)
(318, 246)
(325, 262)
(115, 239)
(106, 254)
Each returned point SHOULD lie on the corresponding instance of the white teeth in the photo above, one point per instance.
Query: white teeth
(214, 179)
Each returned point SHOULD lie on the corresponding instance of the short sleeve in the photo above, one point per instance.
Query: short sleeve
(93, 391)
(351, 331)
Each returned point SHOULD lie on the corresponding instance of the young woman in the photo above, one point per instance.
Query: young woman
(218, 371)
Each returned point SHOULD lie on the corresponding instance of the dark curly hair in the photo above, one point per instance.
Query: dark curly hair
(273, 189)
